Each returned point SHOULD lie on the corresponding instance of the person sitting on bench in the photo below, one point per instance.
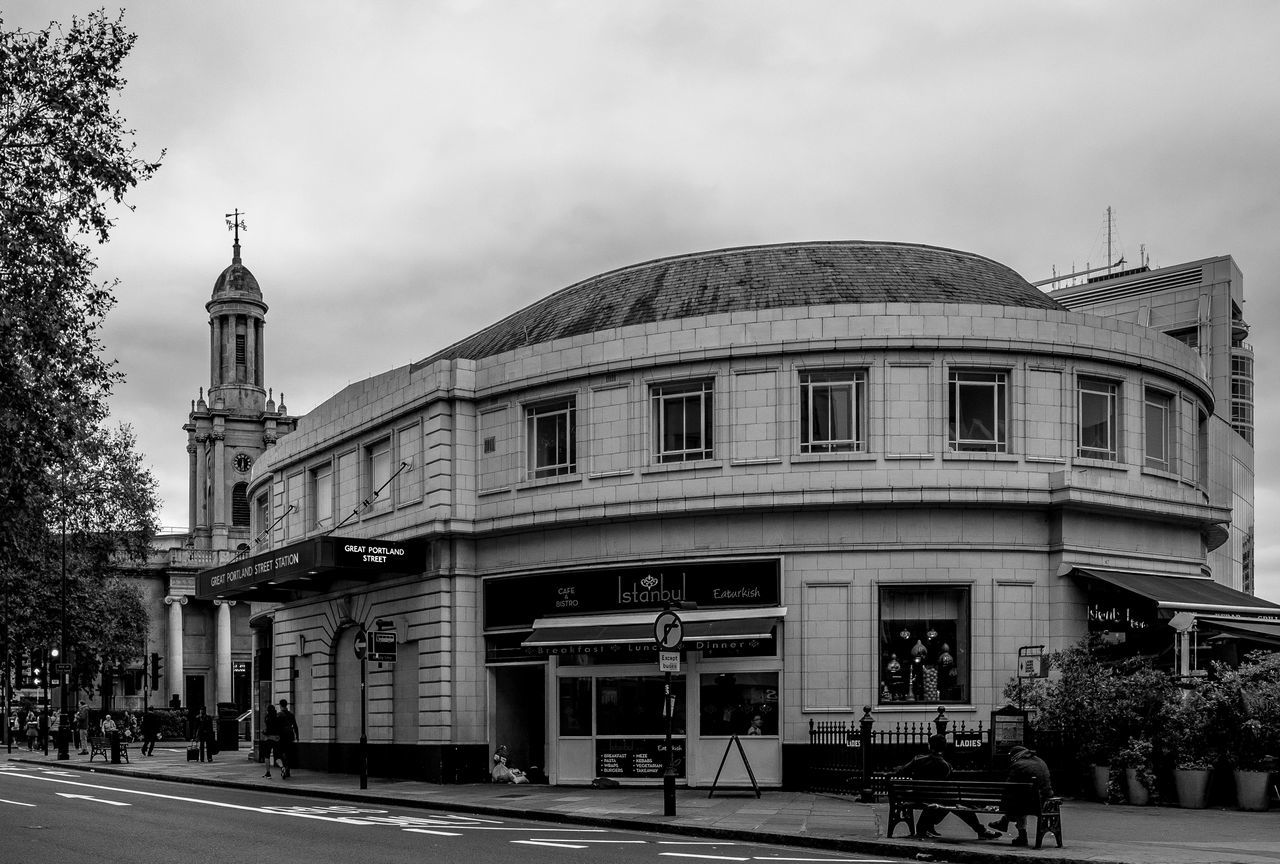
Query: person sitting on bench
(932, 766)
(1024, 767)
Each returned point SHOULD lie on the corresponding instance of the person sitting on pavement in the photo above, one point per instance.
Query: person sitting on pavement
(503, 773)
(1024, 767)
(932, 766)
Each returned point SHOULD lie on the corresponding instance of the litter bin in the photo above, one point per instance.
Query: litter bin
(228, 728)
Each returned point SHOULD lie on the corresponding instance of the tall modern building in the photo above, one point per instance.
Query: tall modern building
(1201, 304)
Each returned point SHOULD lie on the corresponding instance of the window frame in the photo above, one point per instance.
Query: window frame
(373, 452)
(854, 381)
(889, 692)
(1156, 399)
(1110, 390)
(701, 391)
(315, 476)
(562, 413)
(962, 379)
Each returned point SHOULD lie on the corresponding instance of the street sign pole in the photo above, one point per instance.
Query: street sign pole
(668, 632)
(362, 651)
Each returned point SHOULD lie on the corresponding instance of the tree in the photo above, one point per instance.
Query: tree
(65, 158)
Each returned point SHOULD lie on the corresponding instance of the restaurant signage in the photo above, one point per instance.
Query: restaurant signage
(636, 757)
(518, 600)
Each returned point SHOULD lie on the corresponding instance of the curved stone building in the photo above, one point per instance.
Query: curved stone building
(861, 473)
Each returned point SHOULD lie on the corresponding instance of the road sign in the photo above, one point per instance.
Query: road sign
(668, 630)
(361, 644)
(382, 646)
(1031, 662)
(668, 661)
(62, 667)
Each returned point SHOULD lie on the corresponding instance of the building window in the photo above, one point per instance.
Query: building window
(240, 352)
(322, 496)
(261, 515)
(1189, 336)
(240, 505)
(633, 706)
(977, 411)
(377, 459)
(1097, 420)
(832, 412)
(553, 437)
(682, 421)
(1202, 451)
(1159, 430)
(739, 703)
(924, 645)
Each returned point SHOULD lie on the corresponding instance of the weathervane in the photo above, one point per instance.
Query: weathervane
(235, 222)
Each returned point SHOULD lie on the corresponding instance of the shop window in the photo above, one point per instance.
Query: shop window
(924, 645)
(552, 439)
(633, 706)
(833, 412)
(575, 707)
(682, 421)
(322, 496)
(377, 457)
(977, 411)
(739, 703)
(1159, 430)
(1096, 426)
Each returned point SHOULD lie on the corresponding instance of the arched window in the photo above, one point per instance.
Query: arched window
(240, 505)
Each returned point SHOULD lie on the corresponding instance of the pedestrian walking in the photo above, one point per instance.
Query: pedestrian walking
(150, 731)
(288, 737)
(270, 738)
(33, 729)
(81, 728)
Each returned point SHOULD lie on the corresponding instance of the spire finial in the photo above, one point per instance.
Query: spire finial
(235, 222)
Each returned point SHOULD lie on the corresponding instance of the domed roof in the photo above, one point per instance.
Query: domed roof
(752, 278)
(236, 279)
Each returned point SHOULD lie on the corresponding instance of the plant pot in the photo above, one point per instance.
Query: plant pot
(1101, 782)
(1133, 788)
(1251, 790)
(1193, 787)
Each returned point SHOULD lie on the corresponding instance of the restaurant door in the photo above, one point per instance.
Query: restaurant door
(519, 717)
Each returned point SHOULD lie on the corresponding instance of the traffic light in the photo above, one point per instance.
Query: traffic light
(38, 670)
(155, 671)
(20, 672)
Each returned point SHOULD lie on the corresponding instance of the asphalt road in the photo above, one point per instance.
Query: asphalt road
(49, 815)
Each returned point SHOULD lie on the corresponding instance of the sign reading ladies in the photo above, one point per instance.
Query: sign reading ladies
(516, 601)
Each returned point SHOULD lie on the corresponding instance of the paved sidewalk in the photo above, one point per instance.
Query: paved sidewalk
(1095, 833)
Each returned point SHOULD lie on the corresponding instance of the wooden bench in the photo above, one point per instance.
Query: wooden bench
(982, 798)
(100, 745)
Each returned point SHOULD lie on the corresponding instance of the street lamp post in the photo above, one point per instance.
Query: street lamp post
(64, 727)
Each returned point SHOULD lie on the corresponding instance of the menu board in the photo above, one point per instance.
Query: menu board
(637, 757)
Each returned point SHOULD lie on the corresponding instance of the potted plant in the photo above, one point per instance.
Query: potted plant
(1136, 757)
(1246, 702)
(1189, 738)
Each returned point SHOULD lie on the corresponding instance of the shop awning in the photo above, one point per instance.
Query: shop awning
(702, 628)
(1255, 630)
(1180, 593)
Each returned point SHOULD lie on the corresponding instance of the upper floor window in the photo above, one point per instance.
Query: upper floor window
(261, 514)
(1097, 419)
(377, 457)
(321, 496)
(1159, 430)
(240, 505)
(833, 412)
(682, 421)
(552, 430)
(977, 411)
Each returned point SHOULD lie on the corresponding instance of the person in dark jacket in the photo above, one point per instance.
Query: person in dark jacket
(1024, 767)
(270, 737)
(205, 735)
(150, 731)
(288, 736)
(933, 766)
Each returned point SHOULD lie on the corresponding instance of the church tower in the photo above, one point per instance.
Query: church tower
(238, 420)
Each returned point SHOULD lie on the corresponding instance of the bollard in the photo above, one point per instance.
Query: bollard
(868, 794)
(115, 748)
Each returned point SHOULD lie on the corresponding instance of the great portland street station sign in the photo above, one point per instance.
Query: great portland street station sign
(309, 564)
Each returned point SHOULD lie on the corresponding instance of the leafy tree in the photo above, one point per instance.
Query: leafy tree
(65, 159)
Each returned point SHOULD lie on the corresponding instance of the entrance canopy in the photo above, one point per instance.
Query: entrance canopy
(318, 565)
(1266, 631)
(1172, 594)
(707, 629)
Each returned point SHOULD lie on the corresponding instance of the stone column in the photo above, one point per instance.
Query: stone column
(177, 676)
(250, 350)
(228, 349)
(194, 486)
(220, 518)
(215, 351)
(222, 652)
(202, 482)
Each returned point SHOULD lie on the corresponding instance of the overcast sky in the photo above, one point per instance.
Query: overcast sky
(412, 171)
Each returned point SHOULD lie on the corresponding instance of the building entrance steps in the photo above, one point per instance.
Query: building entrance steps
(1093, 832)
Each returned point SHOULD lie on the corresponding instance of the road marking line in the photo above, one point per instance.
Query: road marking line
(708, 857)
(17, 803)
(527, 828)
(91, 798)
(696, 843)
(437, 833)
(545, 843)
(834, 860)
(590, 840)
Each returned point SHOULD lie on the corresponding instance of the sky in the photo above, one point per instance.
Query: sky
(413, 171)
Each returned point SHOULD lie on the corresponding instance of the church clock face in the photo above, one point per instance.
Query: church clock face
(243, 462)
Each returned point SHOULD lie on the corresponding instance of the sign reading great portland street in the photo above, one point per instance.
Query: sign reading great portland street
(322, 555)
